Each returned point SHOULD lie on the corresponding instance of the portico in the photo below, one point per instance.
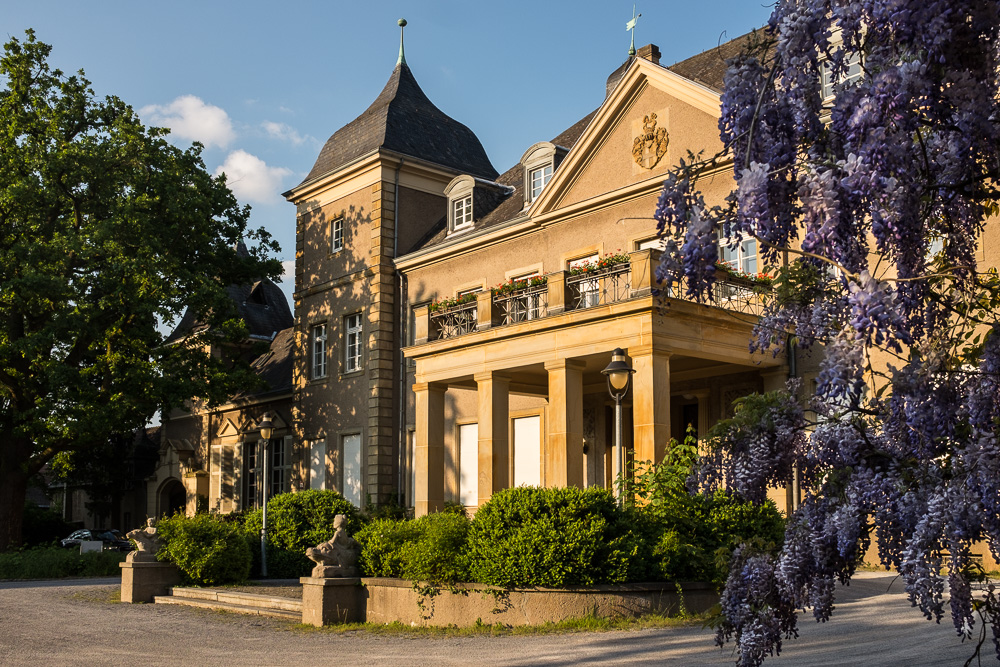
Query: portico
(551, 367)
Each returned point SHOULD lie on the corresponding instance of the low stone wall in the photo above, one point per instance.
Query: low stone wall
(394, 600)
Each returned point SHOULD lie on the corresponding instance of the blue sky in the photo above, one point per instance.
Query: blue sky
(264, 84)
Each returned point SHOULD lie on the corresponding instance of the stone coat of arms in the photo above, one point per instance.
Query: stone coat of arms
(650, 146)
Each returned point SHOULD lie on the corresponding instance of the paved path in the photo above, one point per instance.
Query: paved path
(67, 623)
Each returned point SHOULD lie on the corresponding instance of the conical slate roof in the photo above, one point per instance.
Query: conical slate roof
(403, 120)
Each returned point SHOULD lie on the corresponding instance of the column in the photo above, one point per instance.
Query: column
(650, 401)
(429, 464)
(494, 437)
(564, 445)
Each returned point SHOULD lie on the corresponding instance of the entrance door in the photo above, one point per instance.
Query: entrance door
(468, 459)
(317, 465)
(528, 451)
(352, 468)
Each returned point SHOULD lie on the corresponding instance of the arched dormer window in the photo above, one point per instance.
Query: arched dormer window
(539, 163)
(460, 203)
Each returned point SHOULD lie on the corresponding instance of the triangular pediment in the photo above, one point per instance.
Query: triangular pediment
(646, 125)
(228, 429)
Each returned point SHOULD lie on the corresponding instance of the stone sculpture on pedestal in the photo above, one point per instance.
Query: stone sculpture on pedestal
(146, 542)
(338, 556)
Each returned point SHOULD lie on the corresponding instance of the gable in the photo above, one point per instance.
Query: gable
(625, 145)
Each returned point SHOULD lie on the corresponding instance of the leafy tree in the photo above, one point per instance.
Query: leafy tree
(874, 208)
(106, 230)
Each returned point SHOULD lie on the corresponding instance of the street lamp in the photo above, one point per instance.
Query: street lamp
(618, 373)
(265, 433)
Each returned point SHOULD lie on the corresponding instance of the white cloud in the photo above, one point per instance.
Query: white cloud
(283, 132)
(190, 118)
(250, 178)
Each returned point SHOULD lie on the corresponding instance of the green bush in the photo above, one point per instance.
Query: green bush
(56, 562)
(692, 536)
(207, 550)
(554, 537)
(431, 548)
(382, 542)
(295, 522)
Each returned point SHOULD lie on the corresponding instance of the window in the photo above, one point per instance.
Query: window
(461, 212)
(655, 243)
(250, 476)
(538, 178)
(281, 465)
(739, 257)
(589, 290)
(337, 235)
(830, 84)
(352, 350)
(529, 306)
(318, 351)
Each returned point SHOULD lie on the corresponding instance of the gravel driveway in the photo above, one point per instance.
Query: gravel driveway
(71, 622)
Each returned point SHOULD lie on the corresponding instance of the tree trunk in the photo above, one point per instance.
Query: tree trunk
(13, 489)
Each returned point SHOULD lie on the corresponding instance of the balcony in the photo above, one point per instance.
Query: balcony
(565, 291)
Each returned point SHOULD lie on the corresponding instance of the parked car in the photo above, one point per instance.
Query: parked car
(112, 539)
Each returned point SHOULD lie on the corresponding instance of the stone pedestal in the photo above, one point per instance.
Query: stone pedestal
(328, 601)
(142, 580)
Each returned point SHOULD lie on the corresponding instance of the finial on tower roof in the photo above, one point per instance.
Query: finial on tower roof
(630, 26)
(402, 58)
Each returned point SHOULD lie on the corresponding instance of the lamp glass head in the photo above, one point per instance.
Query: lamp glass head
(265, 427)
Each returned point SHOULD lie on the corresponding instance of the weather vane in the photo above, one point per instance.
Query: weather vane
(402, 59)
(630, 27)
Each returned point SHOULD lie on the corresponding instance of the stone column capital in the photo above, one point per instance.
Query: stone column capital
(430, 386)
(494, 376)
(565, 364)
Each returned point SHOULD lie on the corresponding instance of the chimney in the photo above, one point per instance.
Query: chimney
(650, 52)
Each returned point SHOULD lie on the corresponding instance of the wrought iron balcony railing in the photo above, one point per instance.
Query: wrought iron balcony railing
(455, 321)
(530, 303)
(598, 288)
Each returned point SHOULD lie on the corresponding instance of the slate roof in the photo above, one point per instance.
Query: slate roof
(707, 68)
(402, 119)
(275, 365)
(261, 305)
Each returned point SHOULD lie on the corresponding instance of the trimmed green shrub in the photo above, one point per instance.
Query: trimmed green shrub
(56, 562)
(381, 542)
(207, 550)
(295, 522)
(438, 554)
(431, 548)
(554, 537)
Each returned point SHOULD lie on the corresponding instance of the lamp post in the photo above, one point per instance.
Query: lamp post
(618, 373)
(265, 434)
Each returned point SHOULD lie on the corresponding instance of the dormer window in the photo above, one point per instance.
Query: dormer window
(539, 163)
(538, 178)
(461, 212)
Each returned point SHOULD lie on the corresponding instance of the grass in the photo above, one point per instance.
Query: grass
(480, 629)
(104, 595)
(57, 563)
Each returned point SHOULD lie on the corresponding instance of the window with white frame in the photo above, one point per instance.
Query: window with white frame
(337, 235)
(589, 289)
(461, 212)
(830, 84)
(538, 178)
(531, 306)
(741, 256)
(318, 350)
(655, 243)
(352, 339)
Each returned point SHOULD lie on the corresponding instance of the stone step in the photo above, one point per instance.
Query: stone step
(287, 614)
(237, 598)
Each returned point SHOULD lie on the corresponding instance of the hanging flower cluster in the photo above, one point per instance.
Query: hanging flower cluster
(851, 181)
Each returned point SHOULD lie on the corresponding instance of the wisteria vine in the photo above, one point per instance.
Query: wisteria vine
(870, 207)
